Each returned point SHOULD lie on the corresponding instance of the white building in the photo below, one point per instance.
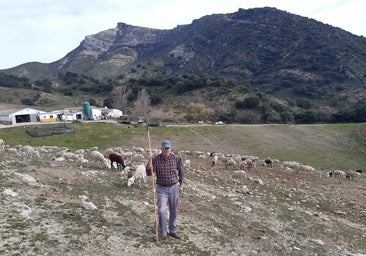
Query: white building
(15, 116)
(114, 113)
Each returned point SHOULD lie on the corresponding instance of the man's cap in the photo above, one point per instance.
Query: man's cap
(166, 144)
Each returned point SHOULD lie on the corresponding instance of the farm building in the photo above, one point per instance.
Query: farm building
(49, 117)
(69, 114)
(15, 116)
(96, 114)
(114, 113)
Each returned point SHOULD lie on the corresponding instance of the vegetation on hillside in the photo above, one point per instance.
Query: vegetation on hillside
(260, 65)
(243, 103)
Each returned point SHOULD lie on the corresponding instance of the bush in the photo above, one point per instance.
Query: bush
(302, 103)
(250, 103)
(27, 101)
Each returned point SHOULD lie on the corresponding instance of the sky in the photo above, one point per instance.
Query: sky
(46, 30)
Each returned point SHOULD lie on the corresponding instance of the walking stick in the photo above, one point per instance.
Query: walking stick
(153, 184)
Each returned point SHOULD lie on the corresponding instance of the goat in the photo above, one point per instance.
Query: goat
(114, 157)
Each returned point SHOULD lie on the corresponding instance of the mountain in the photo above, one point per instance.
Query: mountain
(254, 65)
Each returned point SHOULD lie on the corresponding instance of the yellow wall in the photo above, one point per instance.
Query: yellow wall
(48, 120)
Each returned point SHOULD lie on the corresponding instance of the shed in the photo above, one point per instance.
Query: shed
(13, 116)
(96, 114)
(50, 117)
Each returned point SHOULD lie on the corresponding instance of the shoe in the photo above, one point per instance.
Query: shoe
(160, 238)
(174, 235)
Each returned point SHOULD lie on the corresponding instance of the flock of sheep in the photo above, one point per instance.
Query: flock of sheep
(131, 162)
(351, 175)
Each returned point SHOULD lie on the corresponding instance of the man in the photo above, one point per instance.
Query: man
(169, 183)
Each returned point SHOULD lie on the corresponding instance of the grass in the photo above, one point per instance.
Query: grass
(322, 146)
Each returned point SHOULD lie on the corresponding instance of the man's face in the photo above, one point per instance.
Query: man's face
(165, 151)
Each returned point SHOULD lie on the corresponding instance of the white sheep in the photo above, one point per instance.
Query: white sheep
(237, 158)
(295, 166)
(99, 157)
(246, 164)
(306, 168)
(287, 169)
(2, 146)
(138, 157)
(230, 162)
(187, 164)
(108, 151)
(69, 155)
(27, 150)
(86, 205)
(138, 149)
(238, 175)
(338, 174)
(352, 175)
(139, 175)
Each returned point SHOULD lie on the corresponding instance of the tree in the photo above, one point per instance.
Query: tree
(303, 103)
(142, 103)
(120, 97)
(198, 111)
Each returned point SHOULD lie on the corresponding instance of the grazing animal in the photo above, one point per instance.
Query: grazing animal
(246, 164)
(230, 162)
(268, 162)
(238, 175)
(337, 174)
(139, 175)
(86, 205)
(352, 175)
(187, 164)
(114, 157)
(98, 157)
(214, 161)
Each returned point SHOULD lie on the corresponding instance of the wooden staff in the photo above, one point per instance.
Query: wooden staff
(153, 185)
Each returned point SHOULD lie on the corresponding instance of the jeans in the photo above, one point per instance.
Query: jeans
(170, 196)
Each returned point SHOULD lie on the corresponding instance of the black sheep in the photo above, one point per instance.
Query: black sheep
(114, 157)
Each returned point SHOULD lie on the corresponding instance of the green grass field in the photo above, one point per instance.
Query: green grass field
(340, 146)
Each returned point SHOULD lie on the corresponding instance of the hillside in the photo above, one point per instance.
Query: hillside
(293, 68)
(272, 212)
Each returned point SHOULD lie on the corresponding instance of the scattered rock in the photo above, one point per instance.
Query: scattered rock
(9, 192)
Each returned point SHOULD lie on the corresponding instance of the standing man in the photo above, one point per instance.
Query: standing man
(169, 183)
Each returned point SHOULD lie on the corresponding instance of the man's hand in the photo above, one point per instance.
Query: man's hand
(181, 187)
